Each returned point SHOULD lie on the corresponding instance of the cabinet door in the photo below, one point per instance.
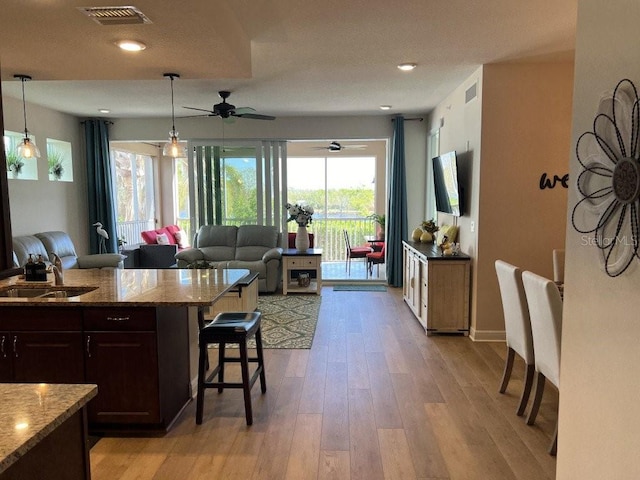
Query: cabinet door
(6, 368)
(51, 357)
(124, 365)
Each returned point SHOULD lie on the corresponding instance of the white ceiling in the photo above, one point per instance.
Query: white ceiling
(281, 57)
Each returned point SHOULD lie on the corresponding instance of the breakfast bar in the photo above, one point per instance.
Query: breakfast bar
(133, 333)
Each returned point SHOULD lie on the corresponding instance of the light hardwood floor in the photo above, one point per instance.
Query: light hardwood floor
(374, 398)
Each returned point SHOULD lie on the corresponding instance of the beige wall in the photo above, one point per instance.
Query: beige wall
(526, 128)
(43, 205)
(599, 419)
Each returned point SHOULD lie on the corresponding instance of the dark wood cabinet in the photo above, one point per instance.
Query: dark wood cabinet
(137, 358)
(41, 345)
(47, 357)
(6, 359)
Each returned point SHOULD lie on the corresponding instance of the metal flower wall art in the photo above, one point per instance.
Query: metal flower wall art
(609, 182)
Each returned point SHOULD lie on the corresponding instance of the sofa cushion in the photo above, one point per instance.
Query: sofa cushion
(217, 242)
(150, 237)
(254, 241)
(25, 245)
(60, 243)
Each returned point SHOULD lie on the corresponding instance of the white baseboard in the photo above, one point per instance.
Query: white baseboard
(487, 335)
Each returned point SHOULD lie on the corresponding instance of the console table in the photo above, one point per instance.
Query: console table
(295, 261)
(436, 287)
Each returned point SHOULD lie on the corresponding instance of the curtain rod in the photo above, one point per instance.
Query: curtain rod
(420, 119)
(108, 122)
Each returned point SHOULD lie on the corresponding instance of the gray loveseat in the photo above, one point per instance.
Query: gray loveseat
(255, 247)
(60, 243)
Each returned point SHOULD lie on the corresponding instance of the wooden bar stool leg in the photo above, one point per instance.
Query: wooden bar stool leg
(263, 378)
(246, 386)
(201, 374)
(221, 353)
(537, 398)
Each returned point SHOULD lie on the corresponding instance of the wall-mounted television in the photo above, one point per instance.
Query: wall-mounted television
(446, 184)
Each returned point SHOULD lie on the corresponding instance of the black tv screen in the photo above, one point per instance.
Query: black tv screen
(446, 184)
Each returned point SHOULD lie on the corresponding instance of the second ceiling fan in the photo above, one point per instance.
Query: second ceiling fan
(226, 110)
(337, 147)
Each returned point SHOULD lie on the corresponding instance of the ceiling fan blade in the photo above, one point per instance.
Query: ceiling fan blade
(200, 110)
(254, 116)
(196, 116)
(243, 110)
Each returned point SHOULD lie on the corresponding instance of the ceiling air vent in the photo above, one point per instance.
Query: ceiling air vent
(125, 15)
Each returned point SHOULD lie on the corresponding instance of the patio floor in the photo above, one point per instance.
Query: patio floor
(336, 271)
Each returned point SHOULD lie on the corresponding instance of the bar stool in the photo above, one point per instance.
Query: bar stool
(230, 327)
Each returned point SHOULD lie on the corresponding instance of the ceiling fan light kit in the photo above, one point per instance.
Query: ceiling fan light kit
(173, 148)
(26, 148)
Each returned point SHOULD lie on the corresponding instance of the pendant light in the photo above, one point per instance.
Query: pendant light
(27, 148)
(173, 148)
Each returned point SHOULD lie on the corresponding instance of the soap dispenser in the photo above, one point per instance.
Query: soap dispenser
(30, 269)
(40, 270)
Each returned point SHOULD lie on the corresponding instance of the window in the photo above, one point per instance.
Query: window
(341, 191)
(181, 193)
(59, 160)
(134, 194)
(22, 168)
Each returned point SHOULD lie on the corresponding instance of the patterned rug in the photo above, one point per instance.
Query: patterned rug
(288, 321)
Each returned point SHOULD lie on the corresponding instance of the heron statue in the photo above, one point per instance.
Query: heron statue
(103, 236)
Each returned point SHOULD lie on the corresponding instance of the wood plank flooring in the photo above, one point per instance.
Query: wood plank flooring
(374, 398)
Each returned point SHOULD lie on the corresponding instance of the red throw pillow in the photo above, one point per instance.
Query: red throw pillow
(150, 236)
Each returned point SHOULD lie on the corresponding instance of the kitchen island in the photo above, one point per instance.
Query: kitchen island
(134, 333)
(43, 431)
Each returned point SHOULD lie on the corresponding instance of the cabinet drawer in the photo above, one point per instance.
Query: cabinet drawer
(41, 319)
(123, 319)
(304, 262)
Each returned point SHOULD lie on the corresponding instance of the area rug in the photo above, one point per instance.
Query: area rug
(359, 288)
(288, 321)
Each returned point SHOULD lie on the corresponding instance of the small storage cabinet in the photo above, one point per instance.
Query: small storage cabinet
(136, 356)
(436, 288)
(296, 261)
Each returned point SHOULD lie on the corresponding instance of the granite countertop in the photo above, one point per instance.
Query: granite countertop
(31, 411)
(135, 287)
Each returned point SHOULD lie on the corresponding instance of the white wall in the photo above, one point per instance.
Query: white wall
(43, 205)
(599, 417)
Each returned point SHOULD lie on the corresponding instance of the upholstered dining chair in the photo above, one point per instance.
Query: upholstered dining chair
(545, 311)
(558, 265)
(376, 258)
(354, 252)
(517, 326)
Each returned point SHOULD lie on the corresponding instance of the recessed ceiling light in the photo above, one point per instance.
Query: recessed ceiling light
(407, 67)
(104, 110)
(385, 107)
(131, 45)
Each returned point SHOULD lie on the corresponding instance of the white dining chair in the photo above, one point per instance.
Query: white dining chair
(558, 265)
(545, 311)
(517, 328)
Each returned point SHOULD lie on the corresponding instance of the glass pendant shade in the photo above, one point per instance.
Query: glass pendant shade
(174, 147)
(28, 149)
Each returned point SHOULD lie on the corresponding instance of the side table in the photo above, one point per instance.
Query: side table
(296, 260)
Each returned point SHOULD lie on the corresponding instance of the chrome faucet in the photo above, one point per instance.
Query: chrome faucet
(58, 272)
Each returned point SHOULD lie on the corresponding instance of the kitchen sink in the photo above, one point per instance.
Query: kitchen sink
(38, 291)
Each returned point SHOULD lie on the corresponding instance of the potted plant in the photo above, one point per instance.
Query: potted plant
(54, 160)
(381, 221)
(14, 163)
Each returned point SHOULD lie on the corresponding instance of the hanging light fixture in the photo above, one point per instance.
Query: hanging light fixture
(173, 148)
(27, 148)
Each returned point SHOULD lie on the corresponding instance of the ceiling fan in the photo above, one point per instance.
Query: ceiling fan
(336, 147)
(227, 110)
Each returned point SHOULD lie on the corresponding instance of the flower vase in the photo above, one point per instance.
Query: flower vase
(302, 239)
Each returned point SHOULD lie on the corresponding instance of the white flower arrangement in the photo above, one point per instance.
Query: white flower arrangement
(301, 214)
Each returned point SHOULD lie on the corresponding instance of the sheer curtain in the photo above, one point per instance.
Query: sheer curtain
(100, 184)
(397, 221)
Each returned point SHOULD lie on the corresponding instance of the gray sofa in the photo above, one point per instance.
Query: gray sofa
(61, 244)
(255, 247)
